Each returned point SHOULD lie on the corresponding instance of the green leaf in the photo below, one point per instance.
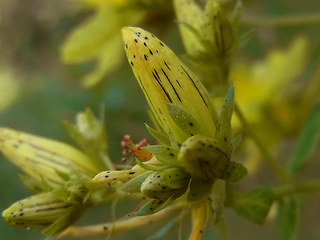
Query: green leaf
(159, 136)
(134, 185)
(183, 119)
(164, 154)
(255, 204)
(286, 221)
(165, 229)
(199, 190)
(307, 142)
(223, 132)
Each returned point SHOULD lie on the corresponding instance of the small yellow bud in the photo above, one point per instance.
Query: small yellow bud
(37, 211)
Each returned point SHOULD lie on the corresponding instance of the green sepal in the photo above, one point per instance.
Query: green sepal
(307, 142)
(236, 142)
(164, 154)
(74, 193)
(235, 172)
(134, 185)
(183, 119)
(159, 136)
(63, 222)
(153, 206)
(255, 204)
(223, 133)
(199, 190)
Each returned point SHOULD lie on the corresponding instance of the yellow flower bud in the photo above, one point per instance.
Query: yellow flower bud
(44, 159)
(218, 30)
(39, 210)
(165, 79)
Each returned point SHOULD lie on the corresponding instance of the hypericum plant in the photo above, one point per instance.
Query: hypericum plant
(189, 173)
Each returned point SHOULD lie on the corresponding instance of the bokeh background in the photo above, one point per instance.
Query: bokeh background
(38, 91)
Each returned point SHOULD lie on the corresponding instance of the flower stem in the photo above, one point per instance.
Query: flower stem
(282, 21)
(198, 220)
(308, 186)
(121, 225)
(267, 155)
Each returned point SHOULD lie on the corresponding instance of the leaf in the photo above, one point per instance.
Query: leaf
(183, 119)
(199, 190)
(164, 154)
(307, 142)
(159, 136)
(165, 229)
(255, 204)
(286, 221)
(134, 185)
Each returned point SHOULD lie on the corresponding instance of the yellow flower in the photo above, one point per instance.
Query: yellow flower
(265, 83)
(98, 38)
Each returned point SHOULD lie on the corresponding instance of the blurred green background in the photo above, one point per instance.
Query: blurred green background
(38, 91)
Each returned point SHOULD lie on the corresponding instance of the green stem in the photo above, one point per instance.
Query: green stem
(308, 186)
(267, 155)
(282, 21)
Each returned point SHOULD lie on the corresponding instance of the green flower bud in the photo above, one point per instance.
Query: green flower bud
(165, 183)
(204, 158)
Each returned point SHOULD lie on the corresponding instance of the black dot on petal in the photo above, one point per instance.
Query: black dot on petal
(131, 63)
(145, 57)
(136, 40)
(146, 38)
(161, 44)
(145, 44)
